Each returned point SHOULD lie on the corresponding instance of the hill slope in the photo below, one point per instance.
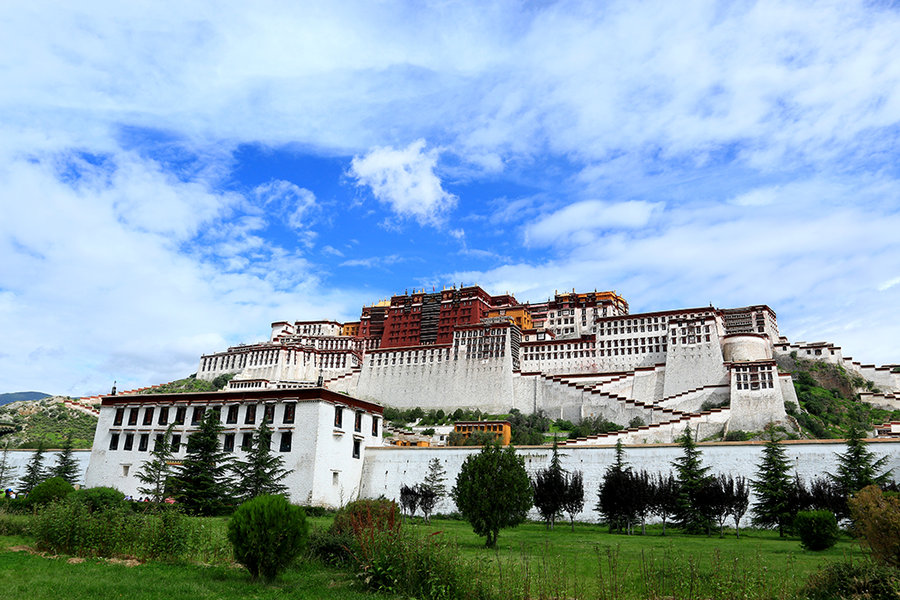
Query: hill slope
(20, 396)
(48, 421)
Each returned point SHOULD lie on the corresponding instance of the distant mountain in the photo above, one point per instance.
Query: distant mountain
(16, 396)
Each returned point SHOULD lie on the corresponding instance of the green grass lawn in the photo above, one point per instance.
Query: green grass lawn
(530, 561)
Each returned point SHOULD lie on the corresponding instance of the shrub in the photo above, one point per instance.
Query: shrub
(366, 516)
(332, 548)
(55, 488)
(99, 498)
(876, 521)
(817, 529)
(853, 581)
(267, 534)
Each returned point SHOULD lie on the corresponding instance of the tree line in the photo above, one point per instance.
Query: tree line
(493, 490)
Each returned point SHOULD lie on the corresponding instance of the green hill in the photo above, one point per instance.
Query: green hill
(20, 396)
(48, 421)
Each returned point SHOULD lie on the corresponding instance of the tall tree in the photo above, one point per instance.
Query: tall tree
(859, 467)
(427, 500)
(719, 495)
(493, 491)
(549, 487)
(692, 480)
(436, 479)
(773, 485)
(740, 501)
(665, 498)
(573, 503)
(156, 472)
(643, 492)
(409, 499)
(7, 469)
(262, 471)
(201, 482)
(614, 497)
(34, 470)
(65, 466)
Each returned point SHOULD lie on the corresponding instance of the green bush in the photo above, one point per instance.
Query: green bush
(876, 521)
(55, 488)
(332, 548)
(362, 517)
(859, 580)
(817, 529)
(267, 534)
(99, 498)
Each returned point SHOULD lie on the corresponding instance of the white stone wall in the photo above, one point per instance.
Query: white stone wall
(698, 362)
(19, 458)
(388, 468)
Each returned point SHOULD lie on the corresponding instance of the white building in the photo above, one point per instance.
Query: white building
(322, 436)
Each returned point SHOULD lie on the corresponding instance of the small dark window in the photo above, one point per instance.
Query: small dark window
(163, 415)
(114, 442)
(148, 416)
(338, 416)
(176, 443)
(357, 422)
(374, 426)
(158, 442)
(264, 441)
(269, 413)
(180, 412)
(250, 416)
(355, 448)
(246, 442)
(289, 410)
(120, 414)
(285, 441)
(132, 416)
(232, 415)
(143, 442)
(198, 414)
(228, 444)
(217, 410)
(129, 441)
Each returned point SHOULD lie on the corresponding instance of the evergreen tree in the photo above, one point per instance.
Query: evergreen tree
(156, 472)
(436, 478)
(7, 469)
(34, 471)
(573, 503)
(692, 480)
(614, 497)
(493, 491)
(261, 473)
(773, 487)
(858, 467)
(201, 482)
(66, 466)
(665, 498)
(549, 487)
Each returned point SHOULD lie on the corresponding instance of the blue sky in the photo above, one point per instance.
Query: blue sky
(174, 177)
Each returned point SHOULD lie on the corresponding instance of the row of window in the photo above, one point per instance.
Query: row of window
(197, 413)
(143, 440)
(357, 420)
(636, 350)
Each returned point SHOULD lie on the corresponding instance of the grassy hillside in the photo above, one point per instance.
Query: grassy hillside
(829, 399)
(191, 384)
(47, 420)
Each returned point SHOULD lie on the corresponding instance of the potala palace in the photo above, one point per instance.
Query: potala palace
(577, 355)
(322, 387)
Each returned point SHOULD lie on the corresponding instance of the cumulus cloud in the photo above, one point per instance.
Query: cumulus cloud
(404, 179)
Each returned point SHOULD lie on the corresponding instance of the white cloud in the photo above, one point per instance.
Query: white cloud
(404, 179)
(581, 221)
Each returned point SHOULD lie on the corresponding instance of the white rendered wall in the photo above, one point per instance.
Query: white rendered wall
(19, 458)
(388, 468)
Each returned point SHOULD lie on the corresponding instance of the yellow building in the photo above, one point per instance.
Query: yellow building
(350, 329)
(501, 430)
(518, 314)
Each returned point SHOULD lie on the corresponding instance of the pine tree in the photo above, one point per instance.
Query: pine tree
(7, 469)
(549, 487)
(156, 472)
(614, 498)
(66, 466)
(773, 488)
(858, 467)
(34, 471)
(263, 471)
(692, 480)
(201, 482)
(436, 478)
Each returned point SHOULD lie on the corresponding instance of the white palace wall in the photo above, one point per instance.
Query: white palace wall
(388, 468)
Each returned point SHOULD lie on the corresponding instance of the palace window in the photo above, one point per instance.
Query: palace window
(289, 410)
(158, 441)
(176, 443)
(120, 414)
(129, 441)
(180, 413)
(338, 416)
(357, 422)
(148, 416)
(132, 416)
(114, 441)
(163, 415)
(246, 442)
(269, 413)
(143, 442)
(356, 446)
(197, 415)
(228, 443)
(285, 445)
(250, 415)
(232, 416)
(374, 426)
